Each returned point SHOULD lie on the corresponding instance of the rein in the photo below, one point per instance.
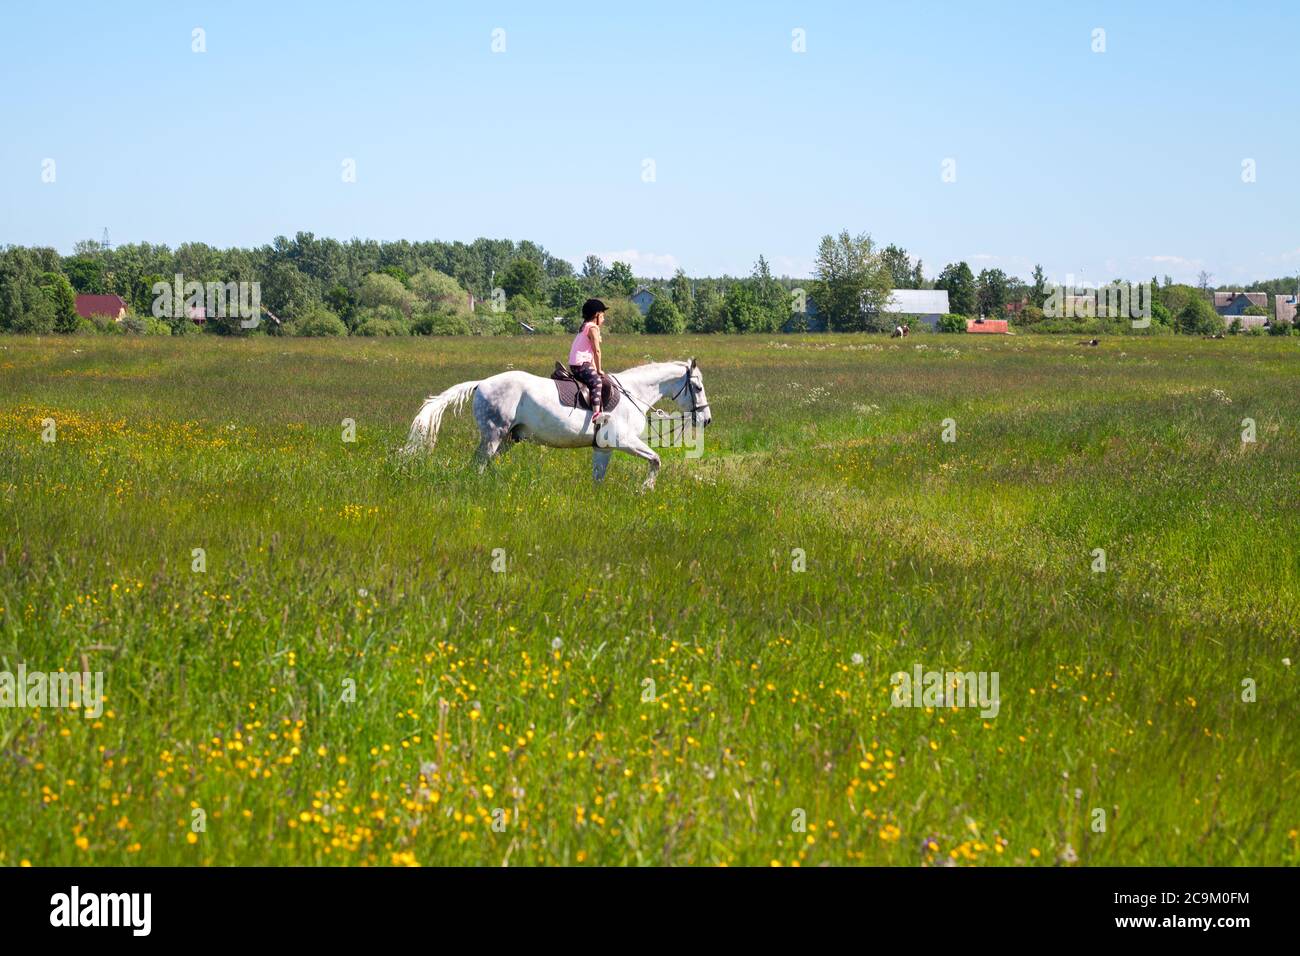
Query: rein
(696, 408)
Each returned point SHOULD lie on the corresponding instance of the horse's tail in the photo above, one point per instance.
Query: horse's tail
(424, 430)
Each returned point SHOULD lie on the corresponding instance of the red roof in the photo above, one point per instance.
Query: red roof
(988, 325)
(110, 305)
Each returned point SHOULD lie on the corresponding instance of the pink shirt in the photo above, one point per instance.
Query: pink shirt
(580, 352)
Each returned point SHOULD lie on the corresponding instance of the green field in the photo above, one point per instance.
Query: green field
(349, 682)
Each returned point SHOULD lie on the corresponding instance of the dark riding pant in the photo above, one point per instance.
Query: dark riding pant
(587, 375)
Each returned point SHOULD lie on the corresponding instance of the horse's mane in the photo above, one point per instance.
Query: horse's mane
(677, 367)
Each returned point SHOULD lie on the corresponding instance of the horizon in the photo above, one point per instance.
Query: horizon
(251, 138)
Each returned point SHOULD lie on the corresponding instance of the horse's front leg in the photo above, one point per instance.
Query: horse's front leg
(635, 446)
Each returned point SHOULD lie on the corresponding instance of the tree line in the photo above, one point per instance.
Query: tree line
(853, 280)
(322, 286)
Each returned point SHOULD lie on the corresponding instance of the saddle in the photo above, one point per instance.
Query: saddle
(574, 394)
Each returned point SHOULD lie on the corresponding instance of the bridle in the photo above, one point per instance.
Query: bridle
(696, 407)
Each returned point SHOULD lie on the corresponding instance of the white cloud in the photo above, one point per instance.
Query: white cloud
(1012, 265)
(794, 266)
(650, 265)
(1179, 268)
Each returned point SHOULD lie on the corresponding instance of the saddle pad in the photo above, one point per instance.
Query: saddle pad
(567, 389)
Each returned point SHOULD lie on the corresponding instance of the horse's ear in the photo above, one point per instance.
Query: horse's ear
(692, 361)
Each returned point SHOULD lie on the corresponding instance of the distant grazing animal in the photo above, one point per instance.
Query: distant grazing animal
(1090, 342)
(517, 406)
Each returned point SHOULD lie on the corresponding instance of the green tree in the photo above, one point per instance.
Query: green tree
(319, 321)
(86, 274)
(1039, 292)
(286, 292)
(770, 296)
(523, 309)
(342, 302)
(1199, 318)
(619, 278)
(439, 292)
(664, 318)
(24, 306)
(1029, 315)
(59, 292)
(741, 311)
(395, 272)
(140, 297)
(705, 313)
(523, 277)
(959, 282)
(381, 289)
(622, 316)
(851, 283)
(593, 274)
(1176, 297)
(680, 290)
(992, 292)
(899, 264)
(566, 293)
(381, 321)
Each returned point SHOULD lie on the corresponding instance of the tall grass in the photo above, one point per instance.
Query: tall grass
(649, 680)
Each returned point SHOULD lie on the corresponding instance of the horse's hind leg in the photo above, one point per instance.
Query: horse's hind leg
(494, 436)
(488, 448)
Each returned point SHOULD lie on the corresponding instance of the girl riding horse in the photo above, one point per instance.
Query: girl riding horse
(584, 356)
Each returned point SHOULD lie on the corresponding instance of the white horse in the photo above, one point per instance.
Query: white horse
(516, 406)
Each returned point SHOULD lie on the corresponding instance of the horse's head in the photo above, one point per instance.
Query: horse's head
(690, 397)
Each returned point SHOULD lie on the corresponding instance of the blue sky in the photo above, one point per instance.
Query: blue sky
(1098, 165)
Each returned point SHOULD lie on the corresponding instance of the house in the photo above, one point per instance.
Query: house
(111, 306)
(812, 321)
(926, 304)
(1236, 303)
(990, 326)
(642, 298)
(1013, 309)
(1284, 309)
